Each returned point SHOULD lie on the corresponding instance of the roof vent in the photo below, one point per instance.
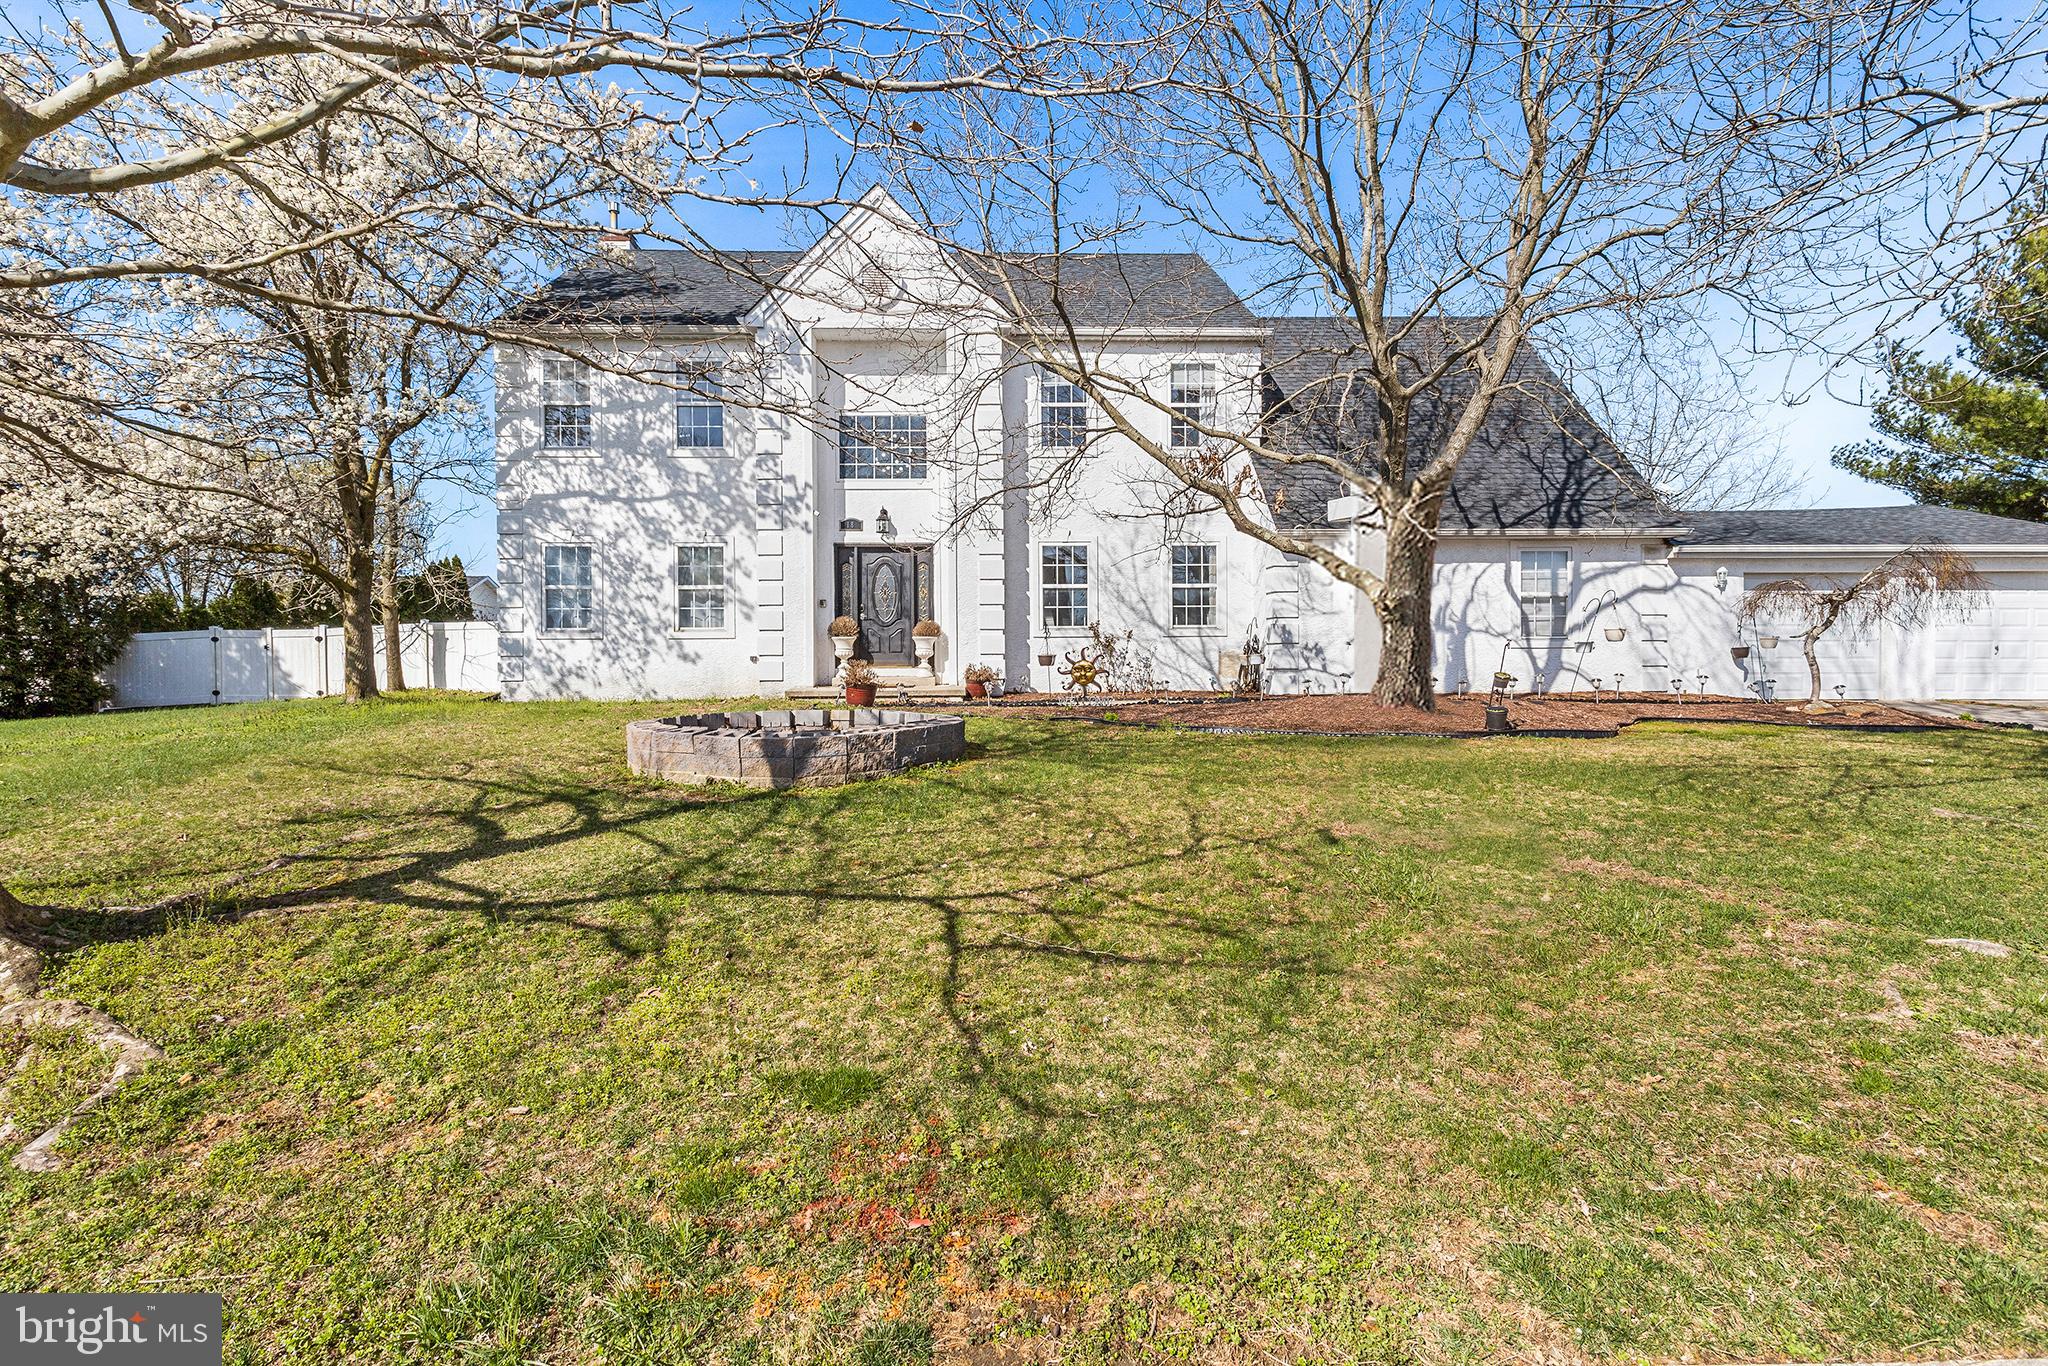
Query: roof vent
(873, 283)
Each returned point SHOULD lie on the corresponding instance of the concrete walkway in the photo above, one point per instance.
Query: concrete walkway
(2033, 714)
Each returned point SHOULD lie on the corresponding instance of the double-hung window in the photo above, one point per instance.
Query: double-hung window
(564, 404)
(701, 592)
(568, 588)
(1191, 393)
(700, 411)
(1194, 587)
(1545, 590)
(1062, 412)
(1063, 587)
(882, 446)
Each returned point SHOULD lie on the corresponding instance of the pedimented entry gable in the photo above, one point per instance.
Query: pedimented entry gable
(876, 263)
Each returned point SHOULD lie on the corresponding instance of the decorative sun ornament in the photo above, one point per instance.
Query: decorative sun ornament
(1081, 672)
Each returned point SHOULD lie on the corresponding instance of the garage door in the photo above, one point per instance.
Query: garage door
(1999, 651)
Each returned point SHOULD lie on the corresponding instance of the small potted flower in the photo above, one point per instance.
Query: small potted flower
(845, 631)
(924, 638)
(978, 677)
(859, 679)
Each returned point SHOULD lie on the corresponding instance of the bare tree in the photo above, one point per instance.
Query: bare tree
(1449, 187)
(1906, 589)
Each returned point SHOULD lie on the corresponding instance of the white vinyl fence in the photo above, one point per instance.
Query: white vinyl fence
(191, 668)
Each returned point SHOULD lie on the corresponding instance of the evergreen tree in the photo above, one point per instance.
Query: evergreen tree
(1973, 432)
(56, 635)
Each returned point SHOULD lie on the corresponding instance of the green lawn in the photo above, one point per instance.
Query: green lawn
(1102, 1045)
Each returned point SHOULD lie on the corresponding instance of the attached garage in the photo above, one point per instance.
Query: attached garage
(1997, 651)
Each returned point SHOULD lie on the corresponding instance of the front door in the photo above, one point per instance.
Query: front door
(887, 591)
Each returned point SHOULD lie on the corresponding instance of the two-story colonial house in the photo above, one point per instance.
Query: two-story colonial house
(743, 446)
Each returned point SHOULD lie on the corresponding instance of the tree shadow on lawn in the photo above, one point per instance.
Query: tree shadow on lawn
(1043, 903)
(1860, 779)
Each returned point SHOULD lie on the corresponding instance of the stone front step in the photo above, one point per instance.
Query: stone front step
(889, 690)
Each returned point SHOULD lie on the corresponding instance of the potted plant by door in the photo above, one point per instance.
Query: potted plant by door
(924, 638)
(978, 677)
(844, 632)
(859, 680)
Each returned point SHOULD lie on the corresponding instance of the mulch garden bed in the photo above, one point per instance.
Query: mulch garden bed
(1560, 714)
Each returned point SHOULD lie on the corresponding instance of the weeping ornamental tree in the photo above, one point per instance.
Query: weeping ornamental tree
(1911, 587)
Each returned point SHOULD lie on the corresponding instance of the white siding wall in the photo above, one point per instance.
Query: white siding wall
(634, 497)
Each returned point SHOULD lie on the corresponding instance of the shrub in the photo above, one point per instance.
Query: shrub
(860, 674)
(979, 673)
(927, 630)
(843, 626)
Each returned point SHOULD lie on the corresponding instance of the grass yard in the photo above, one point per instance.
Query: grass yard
(1103, 1045)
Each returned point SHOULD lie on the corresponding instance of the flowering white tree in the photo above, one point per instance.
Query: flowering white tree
(277, 409)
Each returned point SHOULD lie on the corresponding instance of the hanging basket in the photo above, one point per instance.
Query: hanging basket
(1617, 633)
(1738, 651)
(1768, 642)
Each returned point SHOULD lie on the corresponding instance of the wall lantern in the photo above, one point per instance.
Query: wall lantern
(1721, 578)
(884, 527)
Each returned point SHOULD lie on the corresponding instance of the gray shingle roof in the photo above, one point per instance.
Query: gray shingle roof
(655, 288)
(1910, 524)
(1539, 464)
(1117, 289)
(674, 287)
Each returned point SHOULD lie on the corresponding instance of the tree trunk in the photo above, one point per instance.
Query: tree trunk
(387, 590)
(1810, 640)
(1406, 638)
(358, 617)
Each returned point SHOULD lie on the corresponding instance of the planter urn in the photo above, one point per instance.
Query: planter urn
(842, 650)
(926, 646)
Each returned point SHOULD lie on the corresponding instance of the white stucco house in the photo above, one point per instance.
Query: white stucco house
(767, 440)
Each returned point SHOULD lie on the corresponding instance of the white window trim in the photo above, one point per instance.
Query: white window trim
(1564, 619)
(1205, 411)
(1039, 377)
(725, 632)
(540, 605)
(894, 482)
(540, 409)
(1038, 626)
(1215, 627)
(680, 396)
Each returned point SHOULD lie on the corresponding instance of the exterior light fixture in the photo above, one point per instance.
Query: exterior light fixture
(884, 527)
(1721, 578)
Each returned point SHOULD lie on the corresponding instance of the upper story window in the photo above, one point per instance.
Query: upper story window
(1063, 587)
(564, 404)
(700, 411)
(1194, 587)
(568, 593)
(1062, 412)
(1545, 590)
(882, 446)
(1191, 393)
(701, 590)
